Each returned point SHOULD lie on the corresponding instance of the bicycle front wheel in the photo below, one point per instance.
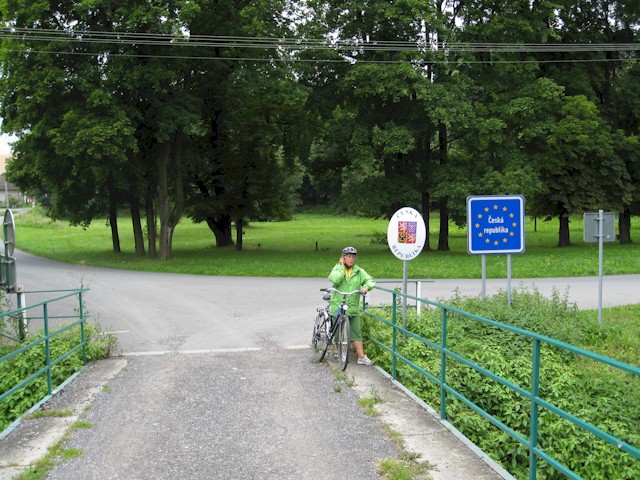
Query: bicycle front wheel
(320, 338)
(344, 335)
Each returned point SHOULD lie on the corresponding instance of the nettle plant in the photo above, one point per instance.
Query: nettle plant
(9, 325)
(601, 396)
(19, 368)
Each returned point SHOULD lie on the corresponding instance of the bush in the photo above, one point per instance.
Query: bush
(604, 397)
(29, 362)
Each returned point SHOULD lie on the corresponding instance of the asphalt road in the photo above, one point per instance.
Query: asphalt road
(154, 312)
(167, 312)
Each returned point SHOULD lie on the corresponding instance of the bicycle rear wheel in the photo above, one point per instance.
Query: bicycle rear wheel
(319, 339)
(344, 334)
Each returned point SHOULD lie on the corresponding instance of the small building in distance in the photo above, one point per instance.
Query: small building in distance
(8, 191)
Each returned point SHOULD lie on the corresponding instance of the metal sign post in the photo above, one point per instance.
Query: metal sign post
(600, 227)
(484, 277)
(600, 262)
(405, 276)
(508, 279)
(495, 224)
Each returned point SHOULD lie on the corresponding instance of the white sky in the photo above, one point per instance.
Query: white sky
(4, 144)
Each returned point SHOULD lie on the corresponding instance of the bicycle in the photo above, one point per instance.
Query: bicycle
(326, 328)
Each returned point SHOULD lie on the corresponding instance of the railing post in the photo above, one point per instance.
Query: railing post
(394, 335)
(443, 367)
(22, 331)
(535, 391)
(82, 339)
(47, 348)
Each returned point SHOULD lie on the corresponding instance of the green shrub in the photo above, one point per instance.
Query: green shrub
(602, 396)
(29, 362)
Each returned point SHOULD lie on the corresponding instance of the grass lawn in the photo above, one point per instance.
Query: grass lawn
(310, 244)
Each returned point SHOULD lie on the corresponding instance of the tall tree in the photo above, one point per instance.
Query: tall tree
(601, 74)
(73, 136)
(250, 113)
(102, 91)
(582, 171)
(157, 88)
(628, 121)
(510, 100)
(379, 137)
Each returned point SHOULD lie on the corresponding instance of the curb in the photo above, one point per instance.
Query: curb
(30, 439)
(451, 454)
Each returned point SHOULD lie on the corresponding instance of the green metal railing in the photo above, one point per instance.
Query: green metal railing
(46, 339)
(532, 396)
(417, 288)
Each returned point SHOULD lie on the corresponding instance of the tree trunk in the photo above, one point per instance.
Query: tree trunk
(151, 222)
(564, 239)
(426, 200)
(138, 237)
(220, 225)
(624, 224)
(113, 219)
(239, 225)
(162, 160)
(443, 238)
(178, 206)
(113, 222)
(170, 230)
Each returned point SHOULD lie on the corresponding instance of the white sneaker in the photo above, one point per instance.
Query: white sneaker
(364, 361)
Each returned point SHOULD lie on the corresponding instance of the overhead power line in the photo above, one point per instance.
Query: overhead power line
(131, 38)
(284, 44)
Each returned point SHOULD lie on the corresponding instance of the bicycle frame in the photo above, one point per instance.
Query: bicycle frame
(340, 326)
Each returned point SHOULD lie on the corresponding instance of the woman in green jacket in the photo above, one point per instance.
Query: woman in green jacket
(346, 276)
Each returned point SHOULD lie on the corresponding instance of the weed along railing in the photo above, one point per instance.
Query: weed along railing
(33, 365)
(522, 397)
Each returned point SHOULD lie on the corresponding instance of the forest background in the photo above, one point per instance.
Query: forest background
(233, 111)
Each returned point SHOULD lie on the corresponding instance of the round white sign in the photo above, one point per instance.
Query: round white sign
(406, 234)
(9, 233)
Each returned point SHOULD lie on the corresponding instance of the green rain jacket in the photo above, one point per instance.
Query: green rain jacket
(359, 278)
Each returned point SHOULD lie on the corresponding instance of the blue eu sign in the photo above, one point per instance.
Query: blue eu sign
(495, 224)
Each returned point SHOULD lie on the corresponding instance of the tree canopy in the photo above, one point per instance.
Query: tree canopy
(228, 111)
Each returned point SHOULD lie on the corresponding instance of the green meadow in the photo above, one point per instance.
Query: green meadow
(310, 244)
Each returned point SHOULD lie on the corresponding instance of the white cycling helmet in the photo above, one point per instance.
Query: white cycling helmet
(348, 250)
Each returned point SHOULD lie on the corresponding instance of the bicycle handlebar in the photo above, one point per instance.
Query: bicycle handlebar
(339, 292)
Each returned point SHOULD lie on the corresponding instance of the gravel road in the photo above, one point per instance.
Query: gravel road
(268, 414)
